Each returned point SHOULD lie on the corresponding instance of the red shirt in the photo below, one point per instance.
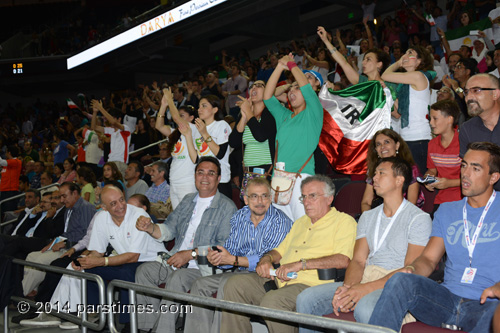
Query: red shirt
(10, 175)
(447, 163)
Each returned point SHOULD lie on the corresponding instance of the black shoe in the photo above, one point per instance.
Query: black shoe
(30, 315)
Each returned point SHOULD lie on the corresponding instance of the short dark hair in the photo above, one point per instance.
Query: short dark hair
(13, 150)
(448, 108)
(143, 200)
(24, 179)
(490, 148)
(470, 64)
(139, 167)
(399, 168)
(73, 187)
(35, 192)
(210, 159)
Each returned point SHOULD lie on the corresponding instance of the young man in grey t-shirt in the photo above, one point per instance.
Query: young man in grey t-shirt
(389, 237)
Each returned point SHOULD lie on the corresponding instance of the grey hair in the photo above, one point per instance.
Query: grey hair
(329, 185)
(162, 167)
(259, 181)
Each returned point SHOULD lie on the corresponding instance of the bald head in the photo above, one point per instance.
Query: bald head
(113, 201)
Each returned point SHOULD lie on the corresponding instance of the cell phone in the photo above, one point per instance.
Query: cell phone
(474, 33)
(76, 262)
(216, 249)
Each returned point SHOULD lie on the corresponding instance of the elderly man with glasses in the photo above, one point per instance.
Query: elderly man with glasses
(482, 95)
(323, 238)
(255, 229)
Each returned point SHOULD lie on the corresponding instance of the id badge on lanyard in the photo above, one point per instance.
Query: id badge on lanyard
(470, 272)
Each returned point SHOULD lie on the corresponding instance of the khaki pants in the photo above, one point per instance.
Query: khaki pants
(249, 289)
(32, 276)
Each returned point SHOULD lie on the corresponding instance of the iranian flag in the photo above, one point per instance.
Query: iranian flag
(72, 104)
(351, 118)
(461, 36)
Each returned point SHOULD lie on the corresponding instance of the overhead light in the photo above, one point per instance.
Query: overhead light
(374, 21)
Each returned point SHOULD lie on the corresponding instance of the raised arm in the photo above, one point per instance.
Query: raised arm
(350, 73)
(322, 64)
(93, 122)
(417, 80)
(368, 32)
(273, 80)
(112, 120)
(299, 76)
(160, 122)
(444, 41)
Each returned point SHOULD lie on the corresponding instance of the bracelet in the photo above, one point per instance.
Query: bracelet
(161, 116)
(333, 50)
(270, 256)
(304, 264)
(410, 266)
(235, 263)
(105, 261)
(291, 65)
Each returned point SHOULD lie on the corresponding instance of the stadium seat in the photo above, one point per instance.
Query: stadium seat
(348, 198)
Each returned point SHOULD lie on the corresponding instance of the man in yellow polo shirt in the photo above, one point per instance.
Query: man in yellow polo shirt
(323, 238)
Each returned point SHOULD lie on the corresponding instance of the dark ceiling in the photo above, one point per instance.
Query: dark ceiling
(190, 44)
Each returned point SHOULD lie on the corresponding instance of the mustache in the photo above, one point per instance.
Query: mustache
(472, 101)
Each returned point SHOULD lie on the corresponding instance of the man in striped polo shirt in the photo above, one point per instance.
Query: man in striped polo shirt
(256, 229)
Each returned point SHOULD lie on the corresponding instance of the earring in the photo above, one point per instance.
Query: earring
(397, 151)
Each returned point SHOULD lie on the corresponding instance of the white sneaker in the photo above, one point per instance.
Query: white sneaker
(43, 320)
(67, 325)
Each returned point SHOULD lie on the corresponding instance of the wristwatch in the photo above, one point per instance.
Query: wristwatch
(194, 254)
(209, 139)
(459, 90)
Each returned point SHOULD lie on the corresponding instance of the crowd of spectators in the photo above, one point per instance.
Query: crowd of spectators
(244, 115)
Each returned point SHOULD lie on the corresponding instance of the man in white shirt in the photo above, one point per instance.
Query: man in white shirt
(120, 135)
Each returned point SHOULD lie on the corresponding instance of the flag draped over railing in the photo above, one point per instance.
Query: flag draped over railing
(351, 117)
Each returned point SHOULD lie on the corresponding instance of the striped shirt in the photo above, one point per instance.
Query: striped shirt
(246, 240)
(158, 193)
(256, 153)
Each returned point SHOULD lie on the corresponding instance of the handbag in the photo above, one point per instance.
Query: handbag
(283, 182)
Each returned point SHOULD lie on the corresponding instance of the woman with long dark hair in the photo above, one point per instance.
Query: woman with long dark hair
(388, 143)
(181, 178)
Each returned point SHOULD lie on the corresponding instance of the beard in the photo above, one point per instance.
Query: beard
(473, 108)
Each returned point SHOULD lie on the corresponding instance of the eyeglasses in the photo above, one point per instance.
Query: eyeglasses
(312, 197)
(443, 91)
(255, 197)
(202, 173)
(258, 85)
(476, 90)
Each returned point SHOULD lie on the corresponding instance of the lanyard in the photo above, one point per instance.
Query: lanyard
(471, 244)
(377, 244)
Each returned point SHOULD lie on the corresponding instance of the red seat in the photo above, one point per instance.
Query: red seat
(429, 199)
(349, 316)
(419, 327)
(348, 198)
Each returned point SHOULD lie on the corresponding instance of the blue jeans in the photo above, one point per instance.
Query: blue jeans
(419, 151)
(125, 272)
(430, 303)
(318, 301)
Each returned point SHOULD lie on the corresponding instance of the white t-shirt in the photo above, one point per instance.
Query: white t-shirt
(219, 131)
(124, 238)
(201, 205)
(412, 226)
(93, 153)
(418, 125)
(368, 10)
(120, 142)
(182, 168)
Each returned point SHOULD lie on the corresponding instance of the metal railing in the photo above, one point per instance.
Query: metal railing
(17, 197)
(341, 326)
(148, 146)
(66, 316)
